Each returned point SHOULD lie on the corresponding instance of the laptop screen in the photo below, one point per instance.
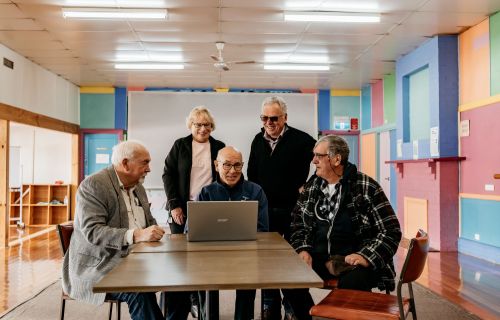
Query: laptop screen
(222, 220)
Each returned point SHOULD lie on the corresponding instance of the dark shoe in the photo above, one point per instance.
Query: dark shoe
(194, 311)
(289, 316)
(266, 314)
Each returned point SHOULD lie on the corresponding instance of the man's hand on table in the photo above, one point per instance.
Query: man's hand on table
(151, 233)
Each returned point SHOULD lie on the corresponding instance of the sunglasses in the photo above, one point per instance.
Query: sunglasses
(271, 118)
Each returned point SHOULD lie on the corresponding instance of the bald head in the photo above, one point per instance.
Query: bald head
(229, 164)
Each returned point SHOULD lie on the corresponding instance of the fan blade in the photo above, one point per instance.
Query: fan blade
(216, 58)
(244, 62)
(225, 68)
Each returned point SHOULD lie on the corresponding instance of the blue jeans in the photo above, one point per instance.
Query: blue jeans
(141, 305)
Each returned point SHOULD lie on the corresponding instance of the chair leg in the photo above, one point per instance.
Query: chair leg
(63, 306)
(110, 312)
(163, 303)
(118, 310)
(413, 308)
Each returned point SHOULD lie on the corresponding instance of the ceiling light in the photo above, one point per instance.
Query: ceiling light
(296, 58)
(116, 3)
(98, 14)
(148, 66)
(149, 57)
(348, 5)
(297, 67)
(330, 16)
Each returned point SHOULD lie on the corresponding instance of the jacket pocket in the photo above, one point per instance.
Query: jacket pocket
(88, 260)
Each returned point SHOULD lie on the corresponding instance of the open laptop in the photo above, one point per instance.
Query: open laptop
(222, 220)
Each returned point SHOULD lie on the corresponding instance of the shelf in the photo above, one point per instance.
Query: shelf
(428, 160)
(35, 213)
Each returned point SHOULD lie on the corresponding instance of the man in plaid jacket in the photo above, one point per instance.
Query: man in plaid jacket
(343, 214)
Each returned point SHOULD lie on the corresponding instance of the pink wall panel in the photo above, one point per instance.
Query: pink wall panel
(481, 149)
(434, 182)
(369, 155)
(377, 104)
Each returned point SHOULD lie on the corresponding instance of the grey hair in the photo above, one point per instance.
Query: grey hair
(126, 150)
(275, 100)
(200, 111)
(336, 145)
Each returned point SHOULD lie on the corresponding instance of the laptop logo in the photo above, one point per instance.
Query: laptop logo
(222, 220)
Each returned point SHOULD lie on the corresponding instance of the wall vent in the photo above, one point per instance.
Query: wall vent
(8, 63)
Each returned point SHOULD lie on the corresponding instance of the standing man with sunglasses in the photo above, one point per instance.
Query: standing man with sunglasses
(279, 161)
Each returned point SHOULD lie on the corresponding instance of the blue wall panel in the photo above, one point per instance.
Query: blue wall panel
(440, 55)
(478, 217)
(121, 108)
(324, 110)
(366, 107)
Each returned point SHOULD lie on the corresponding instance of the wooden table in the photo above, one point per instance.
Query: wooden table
(214, 270)
(270, 262)
(179, 243)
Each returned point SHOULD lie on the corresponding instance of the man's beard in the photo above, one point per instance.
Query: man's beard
(141, 180)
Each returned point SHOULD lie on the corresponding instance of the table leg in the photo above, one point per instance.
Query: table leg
(212, 305)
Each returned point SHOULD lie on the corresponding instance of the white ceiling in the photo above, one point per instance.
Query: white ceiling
(84, 52)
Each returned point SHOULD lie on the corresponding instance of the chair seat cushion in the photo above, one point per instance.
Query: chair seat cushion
(354, 304)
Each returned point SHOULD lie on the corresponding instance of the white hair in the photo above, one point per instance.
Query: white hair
(275, 100)
(126, 150)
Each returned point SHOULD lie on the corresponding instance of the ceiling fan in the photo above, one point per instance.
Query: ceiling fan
(220, 64)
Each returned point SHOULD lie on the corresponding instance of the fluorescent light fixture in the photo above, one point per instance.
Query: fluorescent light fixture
(148, 66)
(116, 3)
(348, 5)
(297, 67)
(149, 57)
(330, 16)
(104, 14)
(296, 58)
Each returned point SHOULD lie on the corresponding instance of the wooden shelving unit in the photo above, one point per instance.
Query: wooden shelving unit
(42, 204)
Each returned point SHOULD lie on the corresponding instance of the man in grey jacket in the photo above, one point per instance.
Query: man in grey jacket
(112, 212)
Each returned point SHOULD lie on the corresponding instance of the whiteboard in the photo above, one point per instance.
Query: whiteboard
(158, 118)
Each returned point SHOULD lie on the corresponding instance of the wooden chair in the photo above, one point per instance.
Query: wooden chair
(361, 305)
(64, 231)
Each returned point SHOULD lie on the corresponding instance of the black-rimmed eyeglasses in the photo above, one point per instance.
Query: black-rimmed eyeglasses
(320, 155)
(198, 125)
(271, 118)
(237, 166)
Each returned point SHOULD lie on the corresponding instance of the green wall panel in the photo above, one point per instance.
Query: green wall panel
(495, 54)
(344, 107)
(389, 99)
(97, 111)
(419, 105)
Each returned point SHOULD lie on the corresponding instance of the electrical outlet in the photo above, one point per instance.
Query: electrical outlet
(489, 187)
(477, 237)
(477, 276)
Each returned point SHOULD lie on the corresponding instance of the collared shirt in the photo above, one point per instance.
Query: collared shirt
(272, 141)
(135, 212)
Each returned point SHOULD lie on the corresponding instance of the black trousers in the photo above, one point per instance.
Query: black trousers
(279, 221)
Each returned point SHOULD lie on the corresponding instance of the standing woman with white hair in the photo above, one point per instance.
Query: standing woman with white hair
(189, 166)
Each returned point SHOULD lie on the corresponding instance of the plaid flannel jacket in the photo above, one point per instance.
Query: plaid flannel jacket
(373, 220)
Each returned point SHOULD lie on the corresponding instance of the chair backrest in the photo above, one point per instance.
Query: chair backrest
(415, 258)
(65, 231)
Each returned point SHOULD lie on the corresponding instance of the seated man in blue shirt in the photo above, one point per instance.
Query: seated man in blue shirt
(231, 186)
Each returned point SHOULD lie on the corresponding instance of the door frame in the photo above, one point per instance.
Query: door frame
(83, 133)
